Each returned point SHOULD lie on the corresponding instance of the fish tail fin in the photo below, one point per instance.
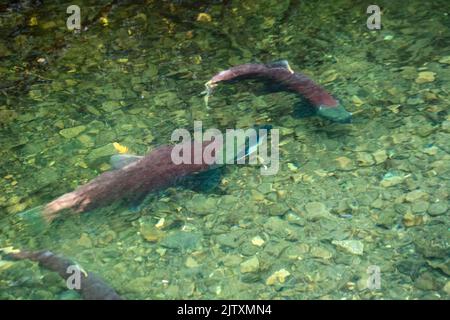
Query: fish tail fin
(33, 220)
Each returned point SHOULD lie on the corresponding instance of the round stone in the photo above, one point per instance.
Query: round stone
(420, 206)
(437, 208)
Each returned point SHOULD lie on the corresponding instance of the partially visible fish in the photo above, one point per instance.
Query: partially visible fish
(91, 286)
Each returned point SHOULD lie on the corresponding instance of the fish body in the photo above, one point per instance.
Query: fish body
(280, 72)
(136, 176)
(152, 172)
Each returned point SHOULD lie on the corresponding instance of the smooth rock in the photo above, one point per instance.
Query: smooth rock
(416, 195)
(425, 76)
(265, 187)
(84, 241)
(86, 140)
(278, 277)
(445, 60)
(250, 265)
(426, 282)
(292, 167)
(344, 163)
(230, 239)
(446, 125)
(110, 106)
(364, 159)
(257, 196)
(447, 285)
(318, 252)
(70, 133)
(352, 246)
(181, 240)
(18, 207)
(437, 208)
(202, 205)
(151, 233)
(391, 180)
(380, 156)
(443, 266)
(387, 219)
(191, 262)
(431, 151)
(411, 220)
(231, 260)
(46, 176)
(278, 209)
(258, 241)
(357, 101)
(316, 210)
(377, 204)
(420, 206)
(101, 152)
(432, 241)
(4, 265)
(106, 237)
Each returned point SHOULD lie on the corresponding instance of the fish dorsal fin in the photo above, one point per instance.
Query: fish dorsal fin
(118, 161)
(280, 64)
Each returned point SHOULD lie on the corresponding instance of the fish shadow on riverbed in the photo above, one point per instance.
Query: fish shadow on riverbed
(261, 87)
(301, 109)
(206, 182)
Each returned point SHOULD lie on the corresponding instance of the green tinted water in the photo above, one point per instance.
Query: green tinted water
(380, 184)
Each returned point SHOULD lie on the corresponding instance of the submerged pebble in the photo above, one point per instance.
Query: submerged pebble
(316, 210)
(390, 180)
(364, 159)
(101, 152)
(258, 241)
(426, 281)
(447, 285)
(411, 220)
(380, 156)
(425, 76)
(70, 133)
(250, 265)
(445, 60)
(191, 262)
(416, 195)
(181, 240)
(4, 265)
(278, 277)
(344, 163)
(438, 208)
(85, 241)
(322, 253)
(202, 205)
(352, 246)
(151, 233)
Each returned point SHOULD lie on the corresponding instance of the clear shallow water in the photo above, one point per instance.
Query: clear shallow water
(382, 181)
